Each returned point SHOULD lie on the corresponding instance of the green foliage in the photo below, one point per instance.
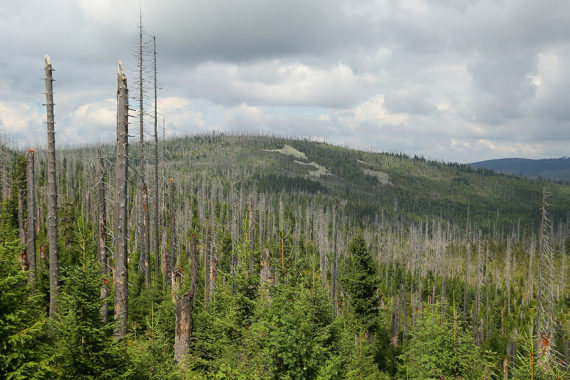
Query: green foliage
(441, 348)
(360, 280)
(86, 348)
(24, 348)
(151, 354)
(530, 363)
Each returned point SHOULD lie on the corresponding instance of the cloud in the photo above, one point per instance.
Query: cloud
(443, 78)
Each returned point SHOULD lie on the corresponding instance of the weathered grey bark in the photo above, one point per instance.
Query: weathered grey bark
(466, 274)
(22, 229)
(31, 222)
(102, 236)
(52, 194)
(508, 276)
(172, 231)
(476, 327)
(146, 242)
(405, 301)
(207, 264)
(211, 253)
(155, 211)
(335, 260)
(266, 276)
(142, 217)
(183, 330)
(194, 266)
(540, 259)
(121, 256)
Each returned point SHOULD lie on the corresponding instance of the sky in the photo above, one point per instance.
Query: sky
(450, 80)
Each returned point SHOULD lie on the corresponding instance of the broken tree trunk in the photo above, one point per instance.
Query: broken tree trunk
(52, 194)
(335, 261)
(102, 236)
(183, 330)
(121, 267)
(31, 222)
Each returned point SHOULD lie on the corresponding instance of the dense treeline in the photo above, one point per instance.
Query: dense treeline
(246, 270)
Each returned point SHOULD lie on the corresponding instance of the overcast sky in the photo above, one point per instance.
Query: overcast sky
(447, 79)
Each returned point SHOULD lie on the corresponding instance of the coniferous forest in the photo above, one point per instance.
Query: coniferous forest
(257, 257)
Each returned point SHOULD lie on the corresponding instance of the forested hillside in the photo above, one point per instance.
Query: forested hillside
(273, 258)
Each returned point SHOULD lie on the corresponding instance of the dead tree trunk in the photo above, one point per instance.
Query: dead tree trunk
(102, 236)
(172, 234)
(31, 222)
(146, 242)
(155, 213)
(142, 218)
(22, 229)
(121, 257)
(52, 194)
(335, 261)
(183, 330)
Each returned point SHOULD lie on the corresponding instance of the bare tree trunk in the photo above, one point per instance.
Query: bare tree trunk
(31, 223)
(155, 213)
(142, 219)
(467, 257)
(121, 257)
(172, 232)
(335, 260)
(146, 242)
(183, 330)
(508, 276)
(102, 235)
(52, 195)
(22, 229)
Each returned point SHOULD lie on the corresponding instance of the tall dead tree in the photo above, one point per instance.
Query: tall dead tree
(172, 235)
(52, 194)
(155, 211)
(183, 331)
(22, 228)
(31, 222)
(121, 256)
(335, 260)
(466, 274)
(102, 235)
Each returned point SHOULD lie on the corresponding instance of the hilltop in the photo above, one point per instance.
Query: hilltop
(374, 185)
(557, 169)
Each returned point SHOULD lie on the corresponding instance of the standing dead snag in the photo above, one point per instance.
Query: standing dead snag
(335, 260)
(183, 332)
(52, 194)
(31, 223)
(170, 258)
(121, 268)
(155, 211)
(102, 235)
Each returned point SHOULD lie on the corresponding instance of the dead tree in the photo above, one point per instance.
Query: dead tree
(102, 235)
(31, 222)
(142, 210)
(52, 194)
(335, 260)
(172, 235)
(121, 256)
(155, 211)
(145, 253)
(183, 330)
(22, 229)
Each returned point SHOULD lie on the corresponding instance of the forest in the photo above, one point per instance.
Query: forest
(256, 257)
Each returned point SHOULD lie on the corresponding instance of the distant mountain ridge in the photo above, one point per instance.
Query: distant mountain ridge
(549, 168)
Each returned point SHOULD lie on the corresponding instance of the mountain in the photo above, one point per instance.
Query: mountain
(550, 168)
(374, 187)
